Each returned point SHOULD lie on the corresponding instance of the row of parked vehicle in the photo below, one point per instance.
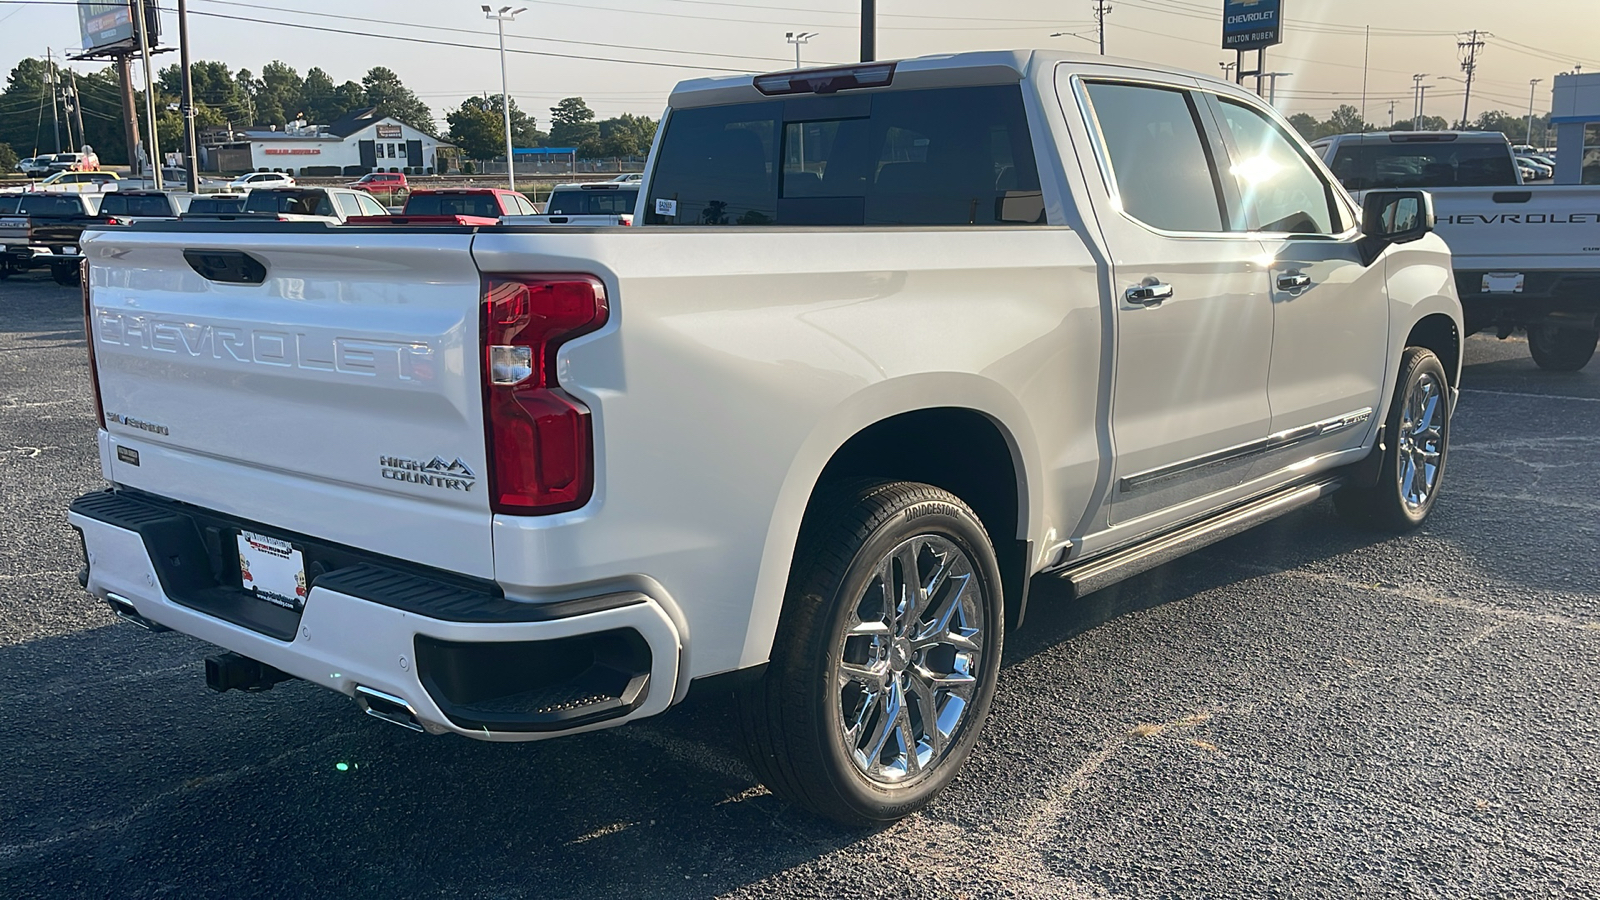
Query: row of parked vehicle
(51, 163)
(41, 228)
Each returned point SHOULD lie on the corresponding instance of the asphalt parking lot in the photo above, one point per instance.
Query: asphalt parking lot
(1304, 710)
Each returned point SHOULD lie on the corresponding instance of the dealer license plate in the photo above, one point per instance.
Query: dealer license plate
(1503, 282)
(272, 569)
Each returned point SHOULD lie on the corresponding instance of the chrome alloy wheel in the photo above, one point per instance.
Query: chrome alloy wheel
(1421, 449)
(908, 660)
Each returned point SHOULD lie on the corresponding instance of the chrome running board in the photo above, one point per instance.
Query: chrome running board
(1091, 575)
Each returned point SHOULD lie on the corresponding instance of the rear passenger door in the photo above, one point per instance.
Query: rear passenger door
(1193, 319)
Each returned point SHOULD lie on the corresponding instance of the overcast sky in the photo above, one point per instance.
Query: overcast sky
(1323, 48)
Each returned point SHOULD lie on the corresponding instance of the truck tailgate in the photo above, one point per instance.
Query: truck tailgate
(337, 396)
(1532, 227)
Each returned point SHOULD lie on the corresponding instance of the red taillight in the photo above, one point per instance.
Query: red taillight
(541, 442)
(88, 334)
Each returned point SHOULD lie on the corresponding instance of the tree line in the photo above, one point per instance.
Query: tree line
(1346, 119)
(277, 96)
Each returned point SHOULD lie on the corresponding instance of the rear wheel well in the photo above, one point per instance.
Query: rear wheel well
(962, 451)
(1439, 333)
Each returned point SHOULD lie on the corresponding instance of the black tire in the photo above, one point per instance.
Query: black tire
(1392, 503)
(793, 718)
(64, 275)
(1557, 349)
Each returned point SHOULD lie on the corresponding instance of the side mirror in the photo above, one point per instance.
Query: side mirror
(1396, 217)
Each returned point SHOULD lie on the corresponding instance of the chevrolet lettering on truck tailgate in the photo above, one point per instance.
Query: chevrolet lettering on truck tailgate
(887, 343)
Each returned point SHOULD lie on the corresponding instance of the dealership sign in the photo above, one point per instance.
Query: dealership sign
(390, 132)
(1251, 24)
(290, 151)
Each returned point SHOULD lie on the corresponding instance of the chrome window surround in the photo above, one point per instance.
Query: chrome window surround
(1108, 173)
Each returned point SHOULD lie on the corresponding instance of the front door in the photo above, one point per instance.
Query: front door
(1193, 318)
(1330, 308)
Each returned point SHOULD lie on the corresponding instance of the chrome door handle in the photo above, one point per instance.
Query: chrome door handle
(1151, 293)
(1294, 281)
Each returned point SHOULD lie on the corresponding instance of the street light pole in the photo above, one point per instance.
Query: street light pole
(797, 38)
(1533, 85)
(501, 17)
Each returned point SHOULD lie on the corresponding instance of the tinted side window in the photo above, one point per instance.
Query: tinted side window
(370, 206)
(9, 204)
(1163, 170)
(956, 156)
(1280, 190)
(348, 205)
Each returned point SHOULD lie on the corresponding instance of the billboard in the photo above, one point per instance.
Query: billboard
(1251, 24)
(109, 24)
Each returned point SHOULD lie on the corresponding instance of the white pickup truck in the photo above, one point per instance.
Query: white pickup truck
(1526, 256)
(586, 204)
(892, 340)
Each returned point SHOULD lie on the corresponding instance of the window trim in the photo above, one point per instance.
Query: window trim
(1102, 153)
(1219, 147)
(1334, 192)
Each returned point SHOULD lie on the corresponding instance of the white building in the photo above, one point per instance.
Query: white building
(360, 139)
(1575, 114)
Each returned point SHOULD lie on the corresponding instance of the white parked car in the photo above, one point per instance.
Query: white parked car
(252, 180)
(35, 166)
(79, 182)
(813, 426)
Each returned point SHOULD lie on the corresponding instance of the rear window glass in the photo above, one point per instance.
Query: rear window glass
(591, 203)
(1363, 167)
(9, 204)
(453, 205)
(48, 205)
(216, 205)
(954, 156)
(135, 205)
(293, 203)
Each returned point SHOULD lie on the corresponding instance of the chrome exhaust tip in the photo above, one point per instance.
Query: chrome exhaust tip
(387, 707)
(127, 612)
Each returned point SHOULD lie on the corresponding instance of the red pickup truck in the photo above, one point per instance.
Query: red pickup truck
(454, 206)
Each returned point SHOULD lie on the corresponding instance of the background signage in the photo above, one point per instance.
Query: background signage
(110, 24)
(1251, 24)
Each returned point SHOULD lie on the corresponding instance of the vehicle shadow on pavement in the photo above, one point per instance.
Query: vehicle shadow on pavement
(144, 780)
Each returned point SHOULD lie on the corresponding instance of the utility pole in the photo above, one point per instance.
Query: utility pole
(506, 14)
(153, 154)
(1416, 100)
(1101, 10)
(1391, 114)
(1469, 49)
(1422, 104)
(797, 38)
(869, 30)
(1366, 56)
(191, 153)
(1272, 87)
(77, 107)
(1533, 85)
(55, 115)
(130, 107)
